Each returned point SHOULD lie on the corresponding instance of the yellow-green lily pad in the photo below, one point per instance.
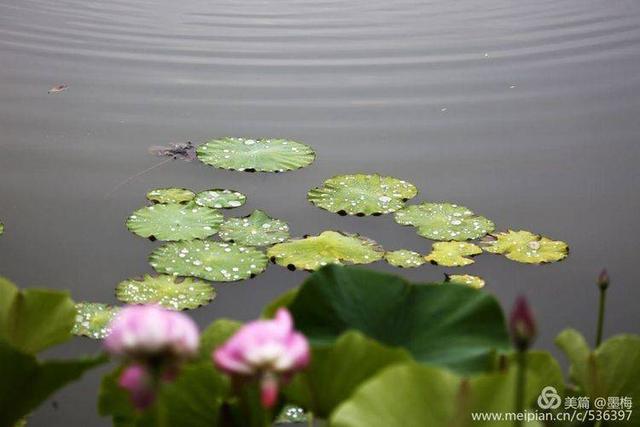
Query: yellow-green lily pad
(255, 155)
(174, 293)
(170, 195)
(444, 221)
(329, 247)
(219, 198)
(362, 195)
(465, 279)
(404, 258)
(257, 229)
(174, 222)
(526, 247)
(452, 254)
(93, 319)
(214, 261)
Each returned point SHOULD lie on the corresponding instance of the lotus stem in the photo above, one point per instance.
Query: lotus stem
(603, 285)
(521, 384)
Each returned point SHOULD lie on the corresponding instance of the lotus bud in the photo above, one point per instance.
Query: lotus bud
(139, 383)
(603, 279)
(522, 325)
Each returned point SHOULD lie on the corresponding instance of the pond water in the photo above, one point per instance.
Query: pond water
(526, 112)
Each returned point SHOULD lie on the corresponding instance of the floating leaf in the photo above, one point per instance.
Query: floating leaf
(215, 261)
(257, 229)
(176, 151)
(465, 279)
(170, 195)
(291, 414)
(174, 222)
(362, 194)
(444, 221)
(58, 89)
(256, 155)
(452, 254)
(168, 291)
(523, 246)
(220, 198)
(93, 319)
(404, 259)
(330, 247)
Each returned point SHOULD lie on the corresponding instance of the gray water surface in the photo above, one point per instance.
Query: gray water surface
(526, 112)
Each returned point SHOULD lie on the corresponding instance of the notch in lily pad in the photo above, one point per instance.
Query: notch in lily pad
(444, 221)
(170, 195)
(93, 319)
(526, 247)
(255, 155)
(173, 293)
(361, 194)
(465, 279)
(173, 222)
(219, 198)
(452, 254)
(257, 229)
(214, 261)
(404, 258)
(329, 247)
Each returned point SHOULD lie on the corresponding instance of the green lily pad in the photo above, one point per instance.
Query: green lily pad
(170, 195)
(220, 198)
(214, 261)
(93, 319)
(174, 222)
(444, 221)
(452, 254)
(362, 194)
(168, 291)
(257, 229)
(465, 279)
(404, 259)
(330, 247)
(524, 246)
(256, 155)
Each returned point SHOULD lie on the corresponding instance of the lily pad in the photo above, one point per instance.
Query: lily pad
(174, 222)
(404, 259)
(220, 198)
(257, 229)
(93, 319)
(444, 221)
(170, 195)
(362, 194)
(452, 254)
(256, 155)
(524, 246)
(330, 247)
(465, 279)
(168, 291)
(215, 261)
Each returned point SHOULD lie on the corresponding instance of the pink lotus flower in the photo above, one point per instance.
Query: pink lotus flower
(139, 383)
(522, 324)
(139, 332)
(267, 349)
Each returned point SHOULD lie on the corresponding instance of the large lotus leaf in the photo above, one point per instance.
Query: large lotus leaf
(524, 246)
(408, 395)
(444, 221)
(337, 370)
(612, 369)
(174, 222)
(215, 261)
(257, 229)
(404, 259)
(362, 194)
(170, 195)
(220, 198)
(34, 319)
(453, 326)
(165, 290)
(93, 319)
(330, 247)
(256, 155)
(465, 279)
(452, 254)
(27, 383)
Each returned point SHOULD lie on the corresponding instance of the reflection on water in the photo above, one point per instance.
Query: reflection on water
(527, 113)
